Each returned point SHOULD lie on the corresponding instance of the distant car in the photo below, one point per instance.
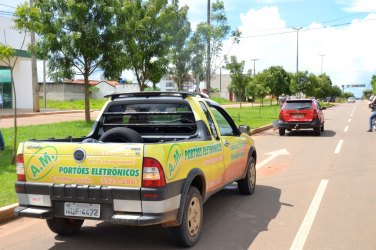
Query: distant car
(301, 114)
(351, 99)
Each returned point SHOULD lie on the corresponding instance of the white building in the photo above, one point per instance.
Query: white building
(22, 70)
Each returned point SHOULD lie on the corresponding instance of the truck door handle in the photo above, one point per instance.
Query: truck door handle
(226, 143)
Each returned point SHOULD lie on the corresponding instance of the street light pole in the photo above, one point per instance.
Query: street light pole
(208, 71)
(297, 48)
(254, 66)
(322, 61)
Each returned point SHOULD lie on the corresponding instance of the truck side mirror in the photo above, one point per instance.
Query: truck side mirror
(244, 129)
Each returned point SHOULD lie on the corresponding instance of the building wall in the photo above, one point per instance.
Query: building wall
(22, 81)
(221, 83)
(104, 89)
(11, 36)
(127, 88)
(22, 71)
(63, 92)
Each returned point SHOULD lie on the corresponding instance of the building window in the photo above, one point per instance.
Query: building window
(6, 96)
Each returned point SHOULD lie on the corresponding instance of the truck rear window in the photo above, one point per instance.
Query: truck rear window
(298, 105)
(155, 118)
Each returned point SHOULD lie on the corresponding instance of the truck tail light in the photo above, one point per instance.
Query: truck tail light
(20, 168)
(281, 115)
(152, 174)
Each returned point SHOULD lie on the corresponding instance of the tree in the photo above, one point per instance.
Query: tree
(214, 33)
(373, 83)
(73, 36)
(367, 93)
(197, 47)
(7, 56)
(261, 82)
(279, 82)
(299, 82)
(145, 34)
(239, 80)
(180, 52)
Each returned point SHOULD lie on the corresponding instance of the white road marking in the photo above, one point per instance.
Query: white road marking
(346, 129)
(349, 120)
(339, 146)
(305, 227)
(272, 155)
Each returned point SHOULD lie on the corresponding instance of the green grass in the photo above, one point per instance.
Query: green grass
(221, 100)
(256, 116)
(72, 105)
(8, 171)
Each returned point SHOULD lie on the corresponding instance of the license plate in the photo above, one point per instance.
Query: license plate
(298, 116)
(82, 210)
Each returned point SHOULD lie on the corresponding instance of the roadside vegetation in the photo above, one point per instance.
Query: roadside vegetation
(72, 105)
(8, 171)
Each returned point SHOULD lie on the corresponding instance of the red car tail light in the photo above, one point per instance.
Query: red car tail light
(153, 175)
(281, 115)
(315, 114)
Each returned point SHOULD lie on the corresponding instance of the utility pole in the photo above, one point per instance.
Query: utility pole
(322, 61)
(44, 85)
(34, 73)
(208, 73)
(254, 66)
(297, 48)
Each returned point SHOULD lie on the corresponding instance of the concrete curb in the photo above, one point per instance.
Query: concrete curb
(6, 213)
(261, 129)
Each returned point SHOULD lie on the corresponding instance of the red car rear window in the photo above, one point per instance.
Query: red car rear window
(298, 105)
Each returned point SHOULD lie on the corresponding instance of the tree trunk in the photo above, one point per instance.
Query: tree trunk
(87, 97)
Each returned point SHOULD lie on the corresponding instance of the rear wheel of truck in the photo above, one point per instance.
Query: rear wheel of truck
(187, 234)
(64, 226)
(282, 131)
(248, 184)
(121, 135)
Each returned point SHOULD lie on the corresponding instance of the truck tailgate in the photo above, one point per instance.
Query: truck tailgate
(109, 164)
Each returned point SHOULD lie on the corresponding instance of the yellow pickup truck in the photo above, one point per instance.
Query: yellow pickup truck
(150, 158)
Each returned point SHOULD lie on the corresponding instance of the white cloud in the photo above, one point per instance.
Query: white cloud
(359, 5)
(349, 50)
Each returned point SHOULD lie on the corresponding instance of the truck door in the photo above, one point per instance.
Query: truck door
(235, 147)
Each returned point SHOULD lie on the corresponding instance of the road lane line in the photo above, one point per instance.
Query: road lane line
(346, 129)
(349, 120)
(339, 146)
(271, 157)
(306, 225)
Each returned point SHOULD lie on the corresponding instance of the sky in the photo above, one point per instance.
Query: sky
(337, 37)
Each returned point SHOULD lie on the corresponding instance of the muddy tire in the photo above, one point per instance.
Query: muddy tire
(64, 226)
(121, 135)
(248, 184)
(188, 233)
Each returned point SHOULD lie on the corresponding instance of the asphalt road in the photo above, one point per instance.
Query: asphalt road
(313, 192)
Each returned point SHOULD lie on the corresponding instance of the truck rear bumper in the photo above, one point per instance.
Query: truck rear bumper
(299, 125)
(121, 218)
(130, 206)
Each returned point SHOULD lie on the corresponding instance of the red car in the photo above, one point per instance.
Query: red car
(301, 114)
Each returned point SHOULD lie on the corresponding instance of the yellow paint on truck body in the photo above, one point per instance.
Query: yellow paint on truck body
(110, 164)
